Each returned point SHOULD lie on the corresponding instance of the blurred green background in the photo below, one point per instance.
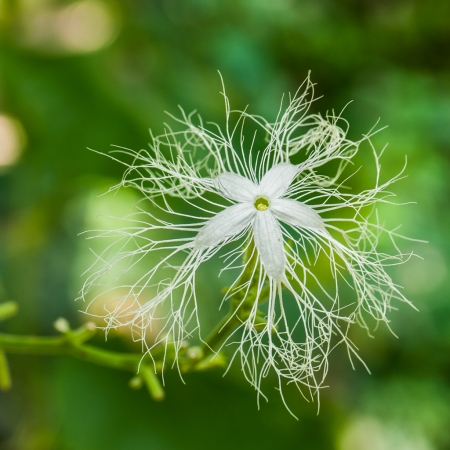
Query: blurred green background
(92, 73)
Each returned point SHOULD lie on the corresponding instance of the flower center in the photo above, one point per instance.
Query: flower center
(261, 203)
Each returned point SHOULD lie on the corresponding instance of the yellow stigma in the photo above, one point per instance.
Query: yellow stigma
(261, 203)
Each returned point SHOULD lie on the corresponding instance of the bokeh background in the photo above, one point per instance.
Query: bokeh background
(90, 73)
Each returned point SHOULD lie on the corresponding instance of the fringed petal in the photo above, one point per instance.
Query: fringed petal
(277, 180)
(296, 213)
(229, 222)
(236, 187)
(270, 245)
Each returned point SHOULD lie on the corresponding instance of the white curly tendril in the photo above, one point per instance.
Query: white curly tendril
(288, 231)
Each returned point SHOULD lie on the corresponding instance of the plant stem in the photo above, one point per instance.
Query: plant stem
(152, 382)
(220, 332)
(240, 307)
(55, 345)
(72, 344)
(5, 377)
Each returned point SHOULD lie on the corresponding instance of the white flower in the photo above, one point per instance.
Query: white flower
(302, 237)
(261, 206)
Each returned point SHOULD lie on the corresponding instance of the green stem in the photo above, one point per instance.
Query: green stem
(55, 345)
(5, 377)
(236, 316)
(72, 344)
(240, 307)
(152, 382)
(220, 332)
(66, 345)
(115, 360)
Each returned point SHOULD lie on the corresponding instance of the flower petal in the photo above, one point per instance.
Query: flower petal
(296, 213)
(270, 244)
(278, 179)
(236, 187)
(227, 223)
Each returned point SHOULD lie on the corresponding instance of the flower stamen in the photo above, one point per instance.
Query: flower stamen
(261, 203)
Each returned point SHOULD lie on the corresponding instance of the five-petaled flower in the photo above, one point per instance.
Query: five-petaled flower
(260, 205)
(290, 234)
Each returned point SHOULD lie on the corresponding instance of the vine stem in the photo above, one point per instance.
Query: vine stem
(5, 377)
(72, 343)
(240, 308)
(222, 330)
